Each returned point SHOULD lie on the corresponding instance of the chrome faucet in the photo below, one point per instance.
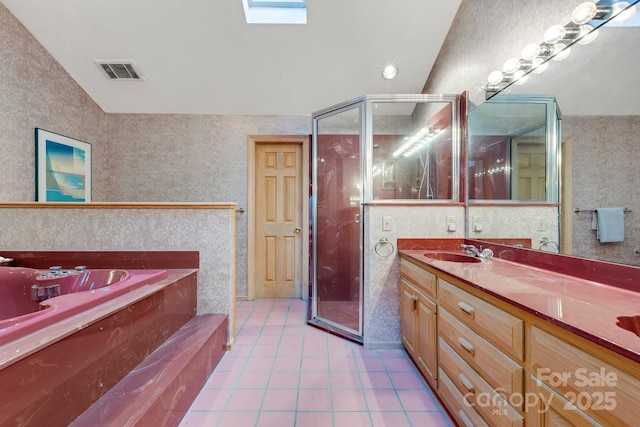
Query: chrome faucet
(544, 241)
(485, 254)
(471, 250)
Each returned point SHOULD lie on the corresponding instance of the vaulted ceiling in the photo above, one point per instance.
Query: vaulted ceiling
(201, 57)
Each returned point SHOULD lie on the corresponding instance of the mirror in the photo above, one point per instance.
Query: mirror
(511, 153)
(512, 172)
(597, 89)
(413, 154)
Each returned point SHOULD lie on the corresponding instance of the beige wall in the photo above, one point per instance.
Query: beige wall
(605, 174)
(136, 228)
(150, 158)
(35, 91)
(483, 35)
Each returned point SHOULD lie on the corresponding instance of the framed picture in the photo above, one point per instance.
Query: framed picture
(63, 168)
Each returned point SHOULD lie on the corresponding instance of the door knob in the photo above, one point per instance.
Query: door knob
(298, 229)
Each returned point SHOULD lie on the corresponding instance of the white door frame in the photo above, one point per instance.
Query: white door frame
(253, 141)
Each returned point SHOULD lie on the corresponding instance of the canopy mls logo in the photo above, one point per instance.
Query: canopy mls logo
(275, 12)
(598, 393)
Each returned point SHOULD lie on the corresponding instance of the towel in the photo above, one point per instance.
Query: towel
(609, 224)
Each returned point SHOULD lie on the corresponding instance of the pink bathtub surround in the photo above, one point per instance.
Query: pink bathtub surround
(160, 390)
(79, 291)
(52, 375)
(589, 308)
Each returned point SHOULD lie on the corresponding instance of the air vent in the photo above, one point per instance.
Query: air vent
(120, 70)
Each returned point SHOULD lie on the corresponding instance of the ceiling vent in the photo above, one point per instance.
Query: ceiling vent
(120, 70)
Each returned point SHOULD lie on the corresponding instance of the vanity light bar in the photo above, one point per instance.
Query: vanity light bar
(557, 41)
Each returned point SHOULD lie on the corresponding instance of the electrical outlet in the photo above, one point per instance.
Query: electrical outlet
(451, 223)
(386, 223)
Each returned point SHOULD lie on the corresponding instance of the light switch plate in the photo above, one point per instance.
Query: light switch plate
(386, 223)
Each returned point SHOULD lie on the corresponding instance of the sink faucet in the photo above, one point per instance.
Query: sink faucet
(544, 241)
(471, 250)
(485, 254)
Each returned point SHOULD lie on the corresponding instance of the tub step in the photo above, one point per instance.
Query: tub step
(160, 390)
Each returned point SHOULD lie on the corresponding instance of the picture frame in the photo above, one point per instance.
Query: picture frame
(63, 168)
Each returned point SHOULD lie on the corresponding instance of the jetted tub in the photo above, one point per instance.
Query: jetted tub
(67, 292)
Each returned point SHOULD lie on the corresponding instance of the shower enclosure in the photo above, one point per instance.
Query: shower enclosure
(373, 150)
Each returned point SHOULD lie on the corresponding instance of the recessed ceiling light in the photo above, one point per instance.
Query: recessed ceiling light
(389, 72)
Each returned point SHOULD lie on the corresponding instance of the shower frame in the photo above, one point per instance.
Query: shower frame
(365, 114)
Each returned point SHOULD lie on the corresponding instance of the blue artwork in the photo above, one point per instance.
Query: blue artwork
(65, 173)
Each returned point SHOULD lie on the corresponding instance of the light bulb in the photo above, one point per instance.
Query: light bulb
(554, 34)
(520, 77)
(530, 51)
(622, 12)
(587, 34)
(561, 51)
(511, 65)
(389, 72)
(539, 65)
(584, 13)
(495, 78)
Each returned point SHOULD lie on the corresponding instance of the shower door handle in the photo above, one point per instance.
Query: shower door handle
(358, 218)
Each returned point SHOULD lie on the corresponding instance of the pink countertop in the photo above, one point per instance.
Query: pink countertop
(587, 308)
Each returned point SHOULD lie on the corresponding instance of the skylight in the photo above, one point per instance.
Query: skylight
(275, 12)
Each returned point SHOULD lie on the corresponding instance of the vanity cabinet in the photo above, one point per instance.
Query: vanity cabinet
(499, 365)
(477, 345)
(588, 383)
(550, 409)
(418, 318)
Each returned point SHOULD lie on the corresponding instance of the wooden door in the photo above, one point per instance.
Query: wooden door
(278, 221)
(529, 169)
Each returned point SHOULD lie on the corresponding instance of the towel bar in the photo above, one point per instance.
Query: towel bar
(578, 210)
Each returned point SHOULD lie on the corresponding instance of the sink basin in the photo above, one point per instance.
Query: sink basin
(450, 256)
(630, 323)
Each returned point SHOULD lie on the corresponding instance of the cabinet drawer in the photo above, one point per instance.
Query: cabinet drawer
(461, 410)
(495, 367)
(420, 277)
(503, 329)
(546, 408)
(485, 399)
(605, 393)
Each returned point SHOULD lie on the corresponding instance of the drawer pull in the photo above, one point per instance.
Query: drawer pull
(466, 345)
(414, 301)
(466, 308)
(468, 384)
(465, 419)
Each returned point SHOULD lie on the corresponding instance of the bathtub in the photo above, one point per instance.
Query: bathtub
(32, 299)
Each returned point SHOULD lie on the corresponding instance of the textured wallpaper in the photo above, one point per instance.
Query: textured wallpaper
(35, 91)
(136, 157)
(604, 149)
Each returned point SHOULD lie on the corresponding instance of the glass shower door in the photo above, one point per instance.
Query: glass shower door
(337, 194)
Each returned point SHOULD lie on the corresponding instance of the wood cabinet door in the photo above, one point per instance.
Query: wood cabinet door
(408, 317)
(427, 350)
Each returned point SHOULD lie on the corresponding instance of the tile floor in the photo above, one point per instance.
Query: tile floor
(283, 373)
